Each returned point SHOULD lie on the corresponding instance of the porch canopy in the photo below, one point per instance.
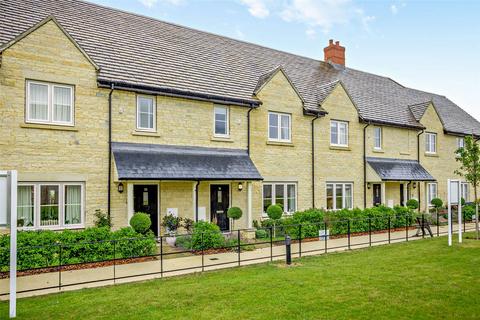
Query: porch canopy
(389, 169)
(135, 161)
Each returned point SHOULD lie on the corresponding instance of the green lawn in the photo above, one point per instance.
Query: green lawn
(416, 280)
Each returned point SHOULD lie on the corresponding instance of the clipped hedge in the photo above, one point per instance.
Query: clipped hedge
(40, 249)
(212, 236)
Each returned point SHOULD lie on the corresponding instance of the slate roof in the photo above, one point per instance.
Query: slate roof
(399, 169)
(418, 110)
(139, 51)
(167, 162)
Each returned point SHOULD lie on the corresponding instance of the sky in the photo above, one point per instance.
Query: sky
(427, 45)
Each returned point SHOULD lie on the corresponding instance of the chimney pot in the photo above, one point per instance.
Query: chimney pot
(334, 53)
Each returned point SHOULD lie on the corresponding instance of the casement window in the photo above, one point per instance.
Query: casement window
(430, 142)
(339, 196)
(50, 205)
(464, 191)
(431, 192)
(460, 142)
(146, 113)
(377, 138)
(279, 127)
(221, 121)
(282, 194)
(339, 133)
(49, 103)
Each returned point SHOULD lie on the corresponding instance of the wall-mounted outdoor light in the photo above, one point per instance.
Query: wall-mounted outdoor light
(414, 185)
(240, 186)
(120, 187)
(369, 185)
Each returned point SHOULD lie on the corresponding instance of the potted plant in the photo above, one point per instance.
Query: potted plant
(171, 224)
(188, 224)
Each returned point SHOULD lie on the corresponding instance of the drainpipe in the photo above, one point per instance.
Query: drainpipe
(365, 165)
(313, 160)
(196, 201)
(418, 159)
(109, 182)
(248, 129)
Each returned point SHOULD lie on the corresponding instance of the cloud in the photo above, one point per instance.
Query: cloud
(324, 14)
(151, 3)
(394, 9)
(257, 8)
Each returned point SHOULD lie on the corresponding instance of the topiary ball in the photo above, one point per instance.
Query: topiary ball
(141, 222)
(412, 204)
(274, 212)
(234, 213)
(437, 202)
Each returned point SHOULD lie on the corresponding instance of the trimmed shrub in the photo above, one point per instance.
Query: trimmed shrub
(437, 203)
(468, 212)
(234, 213)
(212, 236)
(261, 234)
(141, 222)
(274, 212)
(412, 204)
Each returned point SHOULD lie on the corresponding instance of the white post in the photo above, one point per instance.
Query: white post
(249, 204)
(459, 212)
(12, 206)
(449, 213)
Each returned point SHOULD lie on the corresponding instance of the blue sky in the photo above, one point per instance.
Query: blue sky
(428, 45)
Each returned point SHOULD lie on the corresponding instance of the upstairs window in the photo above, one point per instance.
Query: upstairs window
(430, 142)
(460, 143)
(146, 113)
(377, 138)
(464, 191)
(221, 121)
(49, 103)
(339, 133)
(279, 125)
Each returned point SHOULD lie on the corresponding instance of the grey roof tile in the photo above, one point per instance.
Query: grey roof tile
(138, 50)
(167, 162)
(399, 169)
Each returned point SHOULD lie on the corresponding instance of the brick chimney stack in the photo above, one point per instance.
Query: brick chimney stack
(334, 53)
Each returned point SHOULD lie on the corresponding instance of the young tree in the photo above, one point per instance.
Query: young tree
(469, 158)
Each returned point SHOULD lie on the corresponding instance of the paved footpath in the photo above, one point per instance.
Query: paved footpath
(193, 263)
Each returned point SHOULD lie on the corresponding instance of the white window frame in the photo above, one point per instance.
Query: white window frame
(279, 128)
(337, 144)
(429, 193)
(378, 139)
(429, 136)
(50, 100)
(460, 142)
(61, 203)
(154, 115)
(466, 186)
(334, 185)
(285, 195)
(227, 114)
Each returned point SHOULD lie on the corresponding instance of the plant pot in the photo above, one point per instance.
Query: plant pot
(171, 240)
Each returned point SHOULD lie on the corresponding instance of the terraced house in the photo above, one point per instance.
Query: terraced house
(103, 109)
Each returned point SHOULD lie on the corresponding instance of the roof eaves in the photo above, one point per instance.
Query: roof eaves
(40, 24)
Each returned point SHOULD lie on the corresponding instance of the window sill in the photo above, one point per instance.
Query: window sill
(221, 139)
(340, 148)
(145, 133)
(52, 228)
(433, 155)
(47, 127)
(280, 143)
(405, 153)
(378, 151)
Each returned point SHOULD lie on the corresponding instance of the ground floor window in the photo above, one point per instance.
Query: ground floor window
(339, 195)
(464, 191)
(431, 192)
(50, 205)
(282, 194)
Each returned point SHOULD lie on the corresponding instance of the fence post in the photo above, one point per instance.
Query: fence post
(161, 256)
(325, 237)
(438, 225)
(369, 231)
(389, 221)
(423, 226)
(406, 228)
(203, 263)
(238, 246)
(114, 262)
(300, 241)
(271, 243)
(60, 269)
(464, 225)
(348, 231)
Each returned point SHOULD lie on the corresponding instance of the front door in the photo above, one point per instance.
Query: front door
(377, 194)
(219, 203)
(145, 199)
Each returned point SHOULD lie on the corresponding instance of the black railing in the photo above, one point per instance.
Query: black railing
(356, 231)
